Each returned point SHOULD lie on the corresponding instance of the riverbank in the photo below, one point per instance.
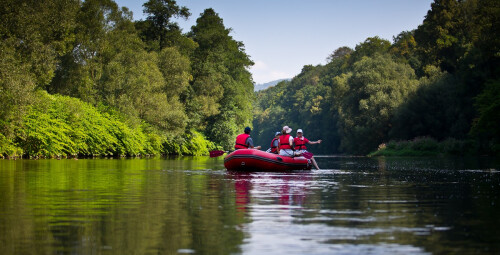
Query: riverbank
(426, 146)
(57, 126)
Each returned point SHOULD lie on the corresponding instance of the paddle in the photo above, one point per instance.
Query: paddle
(307, 155)
(214, 154)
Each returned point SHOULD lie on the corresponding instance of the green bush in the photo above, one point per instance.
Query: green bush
(8, 148)
(44, 135)
(426, 146)
(154, 144)
(58, 126)
(391, 145)
(62, 126)
(423, 144)
(192, 143)
(198, 145)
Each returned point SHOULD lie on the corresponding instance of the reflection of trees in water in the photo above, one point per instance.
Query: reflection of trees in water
(157, 206)
(118, 206)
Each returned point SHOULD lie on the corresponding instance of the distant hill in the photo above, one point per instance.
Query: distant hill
(268, 84)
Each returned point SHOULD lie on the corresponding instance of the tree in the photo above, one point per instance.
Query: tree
(176, 70)
(432, 111)
(305, 102)
(158, 26)
(222, 87)
(33, 35)
(437, 37)
(339, 53)
(368, 98)
(17, 84)
(102, 31)
(485, 127)
(40, 31)
(370, 47)
(133, 84)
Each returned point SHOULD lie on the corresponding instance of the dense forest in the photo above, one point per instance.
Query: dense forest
(81, 78)
(436, 88)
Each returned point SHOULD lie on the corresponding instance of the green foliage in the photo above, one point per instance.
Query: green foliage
(16, 86)
(197, 144)
(221, 94)
(137, 88)
(452, 146)
(377, 87)
(433, 109)
(222, 128)
(176, 71)
(426, 146)
(437, 37)
(193, 143)
(486, 126)
(64, 126)
(159, 27)
(40, 31)
(404, 49)
(302, 103)
(154, 86)
(340, 53)
(369, 48)
(133, 83)
(434, 82)
(61, 126)
(102, 32)
(8, 148)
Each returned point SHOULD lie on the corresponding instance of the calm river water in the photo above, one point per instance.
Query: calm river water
(192, 205)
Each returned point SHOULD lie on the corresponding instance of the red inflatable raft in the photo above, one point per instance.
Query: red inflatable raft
(255, 160)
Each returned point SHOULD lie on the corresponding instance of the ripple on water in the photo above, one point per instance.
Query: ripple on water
(321, 239)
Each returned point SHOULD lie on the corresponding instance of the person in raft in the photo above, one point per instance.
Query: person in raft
(285, 143)
(274, 143)
(300, 145)
(244, 141)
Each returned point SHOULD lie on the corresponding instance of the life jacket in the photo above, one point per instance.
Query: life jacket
(284, 142)
(299, 143)
(241, 141)
(274, 149)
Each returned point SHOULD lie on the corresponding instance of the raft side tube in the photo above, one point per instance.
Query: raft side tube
(256, 160)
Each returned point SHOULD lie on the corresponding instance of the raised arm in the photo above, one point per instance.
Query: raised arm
(310, 142)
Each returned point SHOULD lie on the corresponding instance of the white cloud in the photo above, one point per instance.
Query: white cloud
(258, 65)
(262, 74)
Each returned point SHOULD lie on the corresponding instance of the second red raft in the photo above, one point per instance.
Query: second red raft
(256, 160)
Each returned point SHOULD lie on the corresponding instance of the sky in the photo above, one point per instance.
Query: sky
(281, 36)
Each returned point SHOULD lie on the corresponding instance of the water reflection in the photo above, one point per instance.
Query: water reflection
(192, 205)
(372, 206)
(299, 213)
(242, 187)
(286, 189)
(115, 207)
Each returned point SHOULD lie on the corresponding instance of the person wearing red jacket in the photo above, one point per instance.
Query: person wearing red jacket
(300, 145)
(274, 143)
(285, 143)
(244, 141)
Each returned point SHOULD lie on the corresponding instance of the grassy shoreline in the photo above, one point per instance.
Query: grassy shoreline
(426, 146)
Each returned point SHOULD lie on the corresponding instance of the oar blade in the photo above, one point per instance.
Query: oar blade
(214, 154)
(307, 155)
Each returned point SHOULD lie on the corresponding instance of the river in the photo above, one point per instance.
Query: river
(192, 205)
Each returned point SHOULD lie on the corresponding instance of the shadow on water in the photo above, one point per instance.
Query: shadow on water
(354, 205)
